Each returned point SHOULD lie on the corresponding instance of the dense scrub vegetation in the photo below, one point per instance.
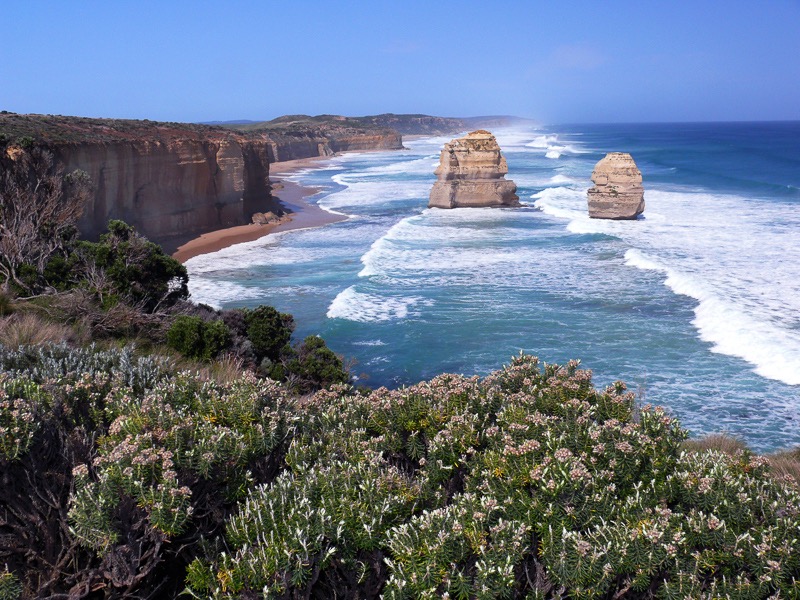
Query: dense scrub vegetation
(124, 478)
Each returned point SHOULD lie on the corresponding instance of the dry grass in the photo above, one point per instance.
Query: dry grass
(786, 463)
(225, 369)
(722, 442)
(26, 328)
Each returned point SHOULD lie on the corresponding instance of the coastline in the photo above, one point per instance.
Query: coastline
(293, 198)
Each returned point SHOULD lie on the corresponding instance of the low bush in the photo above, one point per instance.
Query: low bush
(124, 265)
(310, 366)
(269, 331)
(6, 304)
(195, 338)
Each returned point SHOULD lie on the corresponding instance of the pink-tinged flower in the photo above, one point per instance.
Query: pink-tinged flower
(563, 454)
(624, 447)
(582, 547)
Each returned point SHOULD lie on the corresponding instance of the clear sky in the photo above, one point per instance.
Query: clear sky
(556, 60)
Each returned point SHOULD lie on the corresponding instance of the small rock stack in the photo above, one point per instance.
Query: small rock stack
(617, 191)
(471, 172)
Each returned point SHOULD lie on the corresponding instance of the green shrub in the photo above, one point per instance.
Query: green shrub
(195, 338)
(311, 366)
(528, 483)
(269, 331)
(6, 304)
(10, 587)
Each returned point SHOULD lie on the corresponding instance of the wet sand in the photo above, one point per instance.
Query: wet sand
(292, 197)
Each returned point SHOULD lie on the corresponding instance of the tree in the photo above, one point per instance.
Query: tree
(39, 207)
(125, 265)
(311, 366)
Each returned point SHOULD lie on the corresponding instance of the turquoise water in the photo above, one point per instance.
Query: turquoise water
(696, 306)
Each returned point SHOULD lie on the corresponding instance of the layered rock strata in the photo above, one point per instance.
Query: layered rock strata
(617, 192)
(172, 189)
(175, 181)
(471, 172)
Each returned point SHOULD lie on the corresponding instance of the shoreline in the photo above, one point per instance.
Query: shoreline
(292, 197)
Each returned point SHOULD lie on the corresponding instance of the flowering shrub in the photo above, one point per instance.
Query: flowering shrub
(528, 483)
(10, 588)
(183, 426)
(20, 401)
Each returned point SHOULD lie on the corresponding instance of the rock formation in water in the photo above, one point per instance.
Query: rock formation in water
(617, 191)
(175, 181)
(471, 172)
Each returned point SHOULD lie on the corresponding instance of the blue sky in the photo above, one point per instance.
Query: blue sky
(555, 61)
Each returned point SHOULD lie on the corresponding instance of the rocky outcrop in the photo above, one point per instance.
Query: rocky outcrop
(471, 172)
(617, 191)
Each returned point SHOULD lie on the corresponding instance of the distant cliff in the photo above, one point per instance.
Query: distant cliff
(173, 181)
(404, 124)
(301, 136)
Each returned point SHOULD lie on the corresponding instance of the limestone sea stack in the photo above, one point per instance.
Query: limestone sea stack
(471, 172)
(617, 191)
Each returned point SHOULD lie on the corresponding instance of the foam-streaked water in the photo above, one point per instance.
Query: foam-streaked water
(696, 306)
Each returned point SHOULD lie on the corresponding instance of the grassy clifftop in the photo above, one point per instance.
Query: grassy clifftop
(56, 129)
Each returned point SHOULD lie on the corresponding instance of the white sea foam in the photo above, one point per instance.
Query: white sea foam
(361, 193)
(561, 179)
(362, 307)
(454, 240)
(215, 292)
(732, 329)
(554, 152)
(744, 272)
(419, 166)
(542, 141)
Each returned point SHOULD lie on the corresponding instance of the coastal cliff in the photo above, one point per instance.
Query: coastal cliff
(174, 181)
(471, 172)
(171, 188)
(301, 136)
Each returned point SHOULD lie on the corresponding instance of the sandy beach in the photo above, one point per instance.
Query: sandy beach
(291, 195)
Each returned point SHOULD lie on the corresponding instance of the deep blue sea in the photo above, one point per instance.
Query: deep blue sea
(696, 306)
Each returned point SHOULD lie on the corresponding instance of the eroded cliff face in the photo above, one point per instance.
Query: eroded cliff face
(284, 147)
(472, 172)
(172, 189)
(175, 181)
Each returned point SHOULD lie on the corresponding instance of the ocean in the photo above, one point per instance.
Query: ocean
(696, 306)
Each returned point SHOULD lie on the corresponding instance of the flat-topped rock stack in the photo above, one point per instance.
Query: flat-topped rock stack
(617, 191)
(471, 172)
